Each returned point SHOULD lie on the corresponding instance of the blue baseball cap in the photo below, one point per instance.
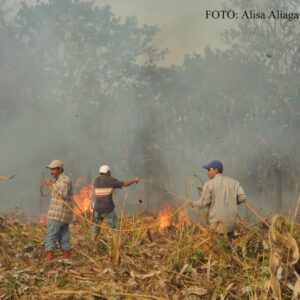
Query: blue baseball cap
(215, 164)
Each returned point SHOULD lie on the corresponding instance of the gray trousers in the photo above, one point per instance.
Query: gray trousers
(111, 218)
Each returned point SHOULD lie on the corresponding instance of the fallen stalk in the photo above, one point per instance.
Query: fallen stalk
(134, 296)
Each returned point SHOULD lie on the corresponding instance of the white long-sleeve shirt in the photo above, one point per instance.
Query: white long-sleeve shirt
(222, 195)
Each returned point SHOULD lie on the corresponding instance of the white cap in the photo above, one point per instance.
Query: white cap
(104, 169)
(55, 164)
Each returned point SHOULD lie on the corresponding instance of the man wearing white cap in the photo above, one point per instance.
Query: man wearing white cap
(104, 208)
(60, 210)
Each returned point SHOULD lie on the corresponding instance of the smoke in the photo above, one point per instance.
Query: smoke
(75, 94)
(183, 27)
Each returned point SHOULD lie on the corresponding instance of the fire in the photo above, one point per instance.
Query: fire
(83, 200)
(181, 218)
(165, 218)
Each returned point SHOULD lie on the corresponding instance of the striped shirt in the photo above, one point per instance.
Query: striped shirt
(61, 200)
(222, 195)
(103, 189)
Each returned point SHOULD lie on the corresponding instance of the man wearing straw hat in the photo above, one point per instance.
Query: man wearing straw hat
(60, 210)
(104, 184)
(221, 195)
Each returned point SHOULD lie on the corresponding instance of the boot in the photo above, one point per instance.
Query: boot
(66, 254)
(50, 255)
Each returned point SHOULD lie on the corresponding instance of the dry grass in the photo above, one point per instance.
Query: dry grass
(179, 263)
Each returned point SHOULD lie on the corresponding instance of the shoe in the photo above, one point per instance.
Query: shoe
(66, 254)
(50, 255)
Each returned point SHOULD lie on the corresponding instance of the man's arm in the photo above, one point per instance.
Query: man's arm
(205, 199)
(127, 183)
(241, 195)
(61, 187)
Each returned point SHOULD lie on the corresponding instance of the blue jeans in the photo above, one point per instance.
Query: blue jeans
(57, 232)
(111, 218)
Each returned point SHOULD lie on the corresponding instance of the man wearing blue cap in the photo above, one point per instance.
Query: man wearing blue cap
(221, 195)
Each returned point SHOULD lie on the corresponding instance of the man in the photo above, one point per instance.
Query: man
(104, 208)
(60, 211)
(221, 195)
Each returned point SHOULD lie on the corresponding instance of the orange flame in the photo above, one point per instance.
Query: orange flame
(165, 218)
(83, 200)
(181, 218)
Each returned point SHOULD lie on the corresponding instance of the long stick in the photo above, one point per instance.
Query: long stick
(4, 178)
(255, 212)
(165, 190)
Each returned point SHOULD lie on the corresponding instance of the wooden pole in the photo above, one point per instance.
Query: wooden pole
(255, 212)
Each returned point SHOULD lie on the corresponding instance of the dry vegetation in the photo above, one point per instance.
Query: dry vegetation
(187, 262)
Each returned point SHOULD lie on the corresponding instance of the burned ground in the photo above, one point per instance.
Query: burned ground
(143, 262)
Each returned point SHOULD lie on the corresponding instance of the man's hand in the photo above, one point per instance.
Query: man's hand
(132, 181)
(49, 182)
